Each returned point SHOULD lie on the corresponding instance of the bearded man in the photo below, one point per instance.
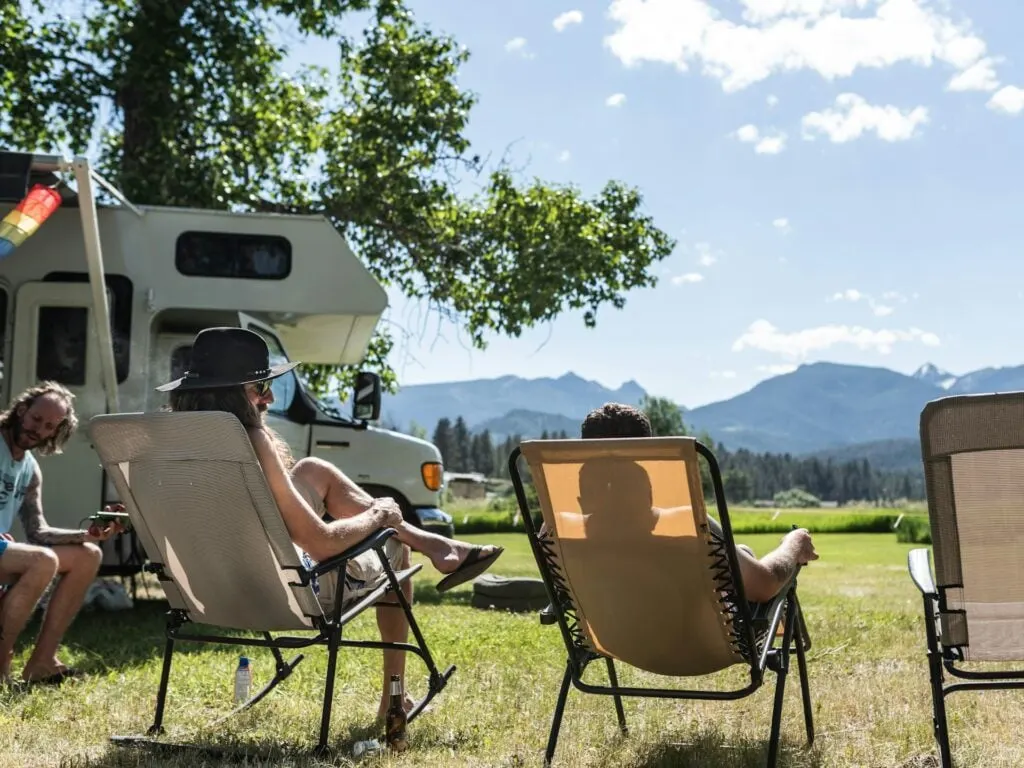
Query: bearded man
(39, 422)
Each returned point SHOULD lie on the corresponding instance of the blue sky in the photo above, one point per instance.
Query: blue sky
(881, 230)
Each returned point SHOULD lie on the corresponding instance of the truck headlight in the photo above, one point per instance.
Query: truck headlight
(433, 475)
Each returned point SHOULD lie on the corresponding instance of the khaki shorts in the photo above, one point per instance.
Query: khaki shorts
(363, 573)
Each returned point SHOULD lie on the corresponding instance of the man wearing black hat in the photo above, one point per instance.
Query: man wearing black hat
(324, 511)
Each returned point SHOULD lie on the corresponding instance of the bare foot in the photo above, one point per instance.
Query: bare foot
(457, 554)
(35, 670)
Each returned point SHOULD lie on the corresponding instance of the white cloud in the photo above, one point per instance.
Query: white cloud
(980, 76)
(771, 145)
(763, 145)
(833, 38)
(564, 156)
(772, 100)
(853, 116)
(777, 369)
(704, 254)
(781, 224)
(723, 374)
(615, 100)
(689, 277)
(1008, 99)
(563, 20)
(764, 336)
(878, 310)
(518, 45)
(850, 294)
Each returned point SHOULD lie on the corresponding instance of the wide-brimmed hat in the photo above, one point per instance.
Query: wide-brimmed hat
(227, 357)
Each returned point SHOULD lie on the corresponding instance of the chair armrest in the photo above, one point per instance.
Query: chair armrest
(919, 564)
(374, 540)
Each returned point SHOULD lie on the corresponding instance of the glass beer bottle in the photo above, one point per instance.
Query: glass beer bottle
(395, 720)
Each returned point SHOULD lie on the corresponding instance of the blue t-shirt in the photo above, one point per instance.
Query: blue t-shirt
(14, 479)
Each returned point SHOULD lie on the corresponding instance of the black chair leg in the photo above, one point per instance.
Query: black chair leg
(614, 680)
(805, 685)
(332, 664)
(556, 721)
(780, 685)
(161, 696)
(939, 723)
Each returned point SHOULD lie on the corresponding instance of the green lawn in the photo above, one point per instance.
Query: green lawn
(867, 668)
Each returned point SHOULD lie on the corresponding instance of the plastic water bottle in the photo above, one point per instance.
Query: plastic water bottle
(243, 679)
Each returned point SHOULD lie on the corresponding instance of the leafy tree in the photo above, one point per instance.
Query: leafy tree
(666, 418)
(192, 108)
(483, 453)
(461, 446)
(444, 439)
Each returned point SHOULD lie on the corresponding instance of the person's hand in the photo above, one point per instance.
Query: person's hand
(801, 541)
(389, 510)
(97, 532)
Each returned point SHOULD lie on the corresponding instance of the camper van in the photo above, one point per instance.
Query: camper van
(106, 299)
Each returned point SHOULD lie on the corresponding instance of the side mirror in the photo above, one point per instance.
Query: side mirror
(366, 397)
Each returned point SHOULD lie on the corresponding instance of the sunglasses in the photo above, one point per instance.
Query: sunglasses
(261, 387)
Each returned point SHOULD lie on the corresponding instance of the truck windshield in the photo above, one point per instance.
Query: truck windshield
(284, 387)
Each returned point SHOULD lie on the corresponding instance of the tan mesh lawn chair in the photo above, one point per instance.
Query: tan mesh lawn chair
(973, 452)
(206, 518)
(634, 574)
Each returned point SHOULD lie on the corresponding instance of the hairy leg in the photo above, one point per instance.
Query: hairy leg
(343, 498)
(31, 569)
(394, 628)
(78, 564)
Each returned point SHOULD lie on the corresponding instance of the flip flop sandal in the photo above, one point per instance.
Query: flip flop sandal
(54, 679)
(474, 564)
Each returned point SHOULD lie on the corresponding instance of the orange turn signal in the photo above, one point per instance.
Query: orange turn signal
(433, 475)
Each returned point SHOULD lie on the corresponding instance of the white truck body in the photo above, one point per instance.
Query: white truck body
(168, 273)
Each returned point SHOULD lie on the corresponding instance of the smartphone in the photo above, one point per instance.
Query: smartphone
(109, 517)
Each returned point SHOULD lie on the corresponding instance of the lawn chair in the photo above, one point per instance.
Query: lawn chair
(973, 452)
(205, 515)
(653, 590)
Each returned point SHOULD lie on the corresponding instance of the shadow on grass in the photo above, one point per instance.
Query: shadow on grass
(108, 641)
(714, 751)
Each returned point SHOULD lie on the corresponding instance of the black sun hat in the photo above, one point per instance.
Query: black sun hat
(227, 357)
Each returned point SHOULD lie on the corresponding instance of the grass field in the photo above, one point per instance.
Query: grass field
(867, 669)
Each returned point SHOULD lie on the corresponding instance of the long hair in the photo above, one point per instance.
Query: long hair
(10, 420)
(231, 400)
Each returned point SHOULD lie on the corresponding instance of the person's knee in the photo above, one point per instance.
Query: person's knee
(92, 556)
(43, 563)
(312, 467)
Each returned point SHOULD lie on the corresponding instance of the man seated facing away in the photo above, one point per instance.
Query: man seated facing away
(324, 511)
(41, 420)
(762, 578)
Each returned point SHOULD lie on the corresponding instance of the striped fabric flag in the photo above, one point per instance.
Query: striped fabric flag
(21, 223)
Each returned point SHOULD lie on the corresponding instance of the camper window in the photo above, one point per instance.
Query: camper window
(119, 297)
(61, 345)
(224, 254)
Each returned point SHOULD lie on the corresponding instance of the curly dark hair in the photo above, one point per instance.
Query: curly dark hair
(10, 420)
(616, 420)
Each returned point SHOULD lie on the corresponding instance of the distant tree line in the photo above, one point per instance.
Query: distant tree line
(466, 451)
(747, 476)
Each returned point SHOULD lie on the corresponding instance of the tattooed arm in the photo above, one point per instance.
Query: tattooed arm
(36, 529)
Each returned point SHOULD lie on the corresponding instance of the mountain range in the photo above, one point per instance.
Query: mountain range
(844, 411)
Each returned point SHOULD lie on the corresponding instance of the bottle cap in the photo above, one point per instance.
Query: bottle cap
(243, 661)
